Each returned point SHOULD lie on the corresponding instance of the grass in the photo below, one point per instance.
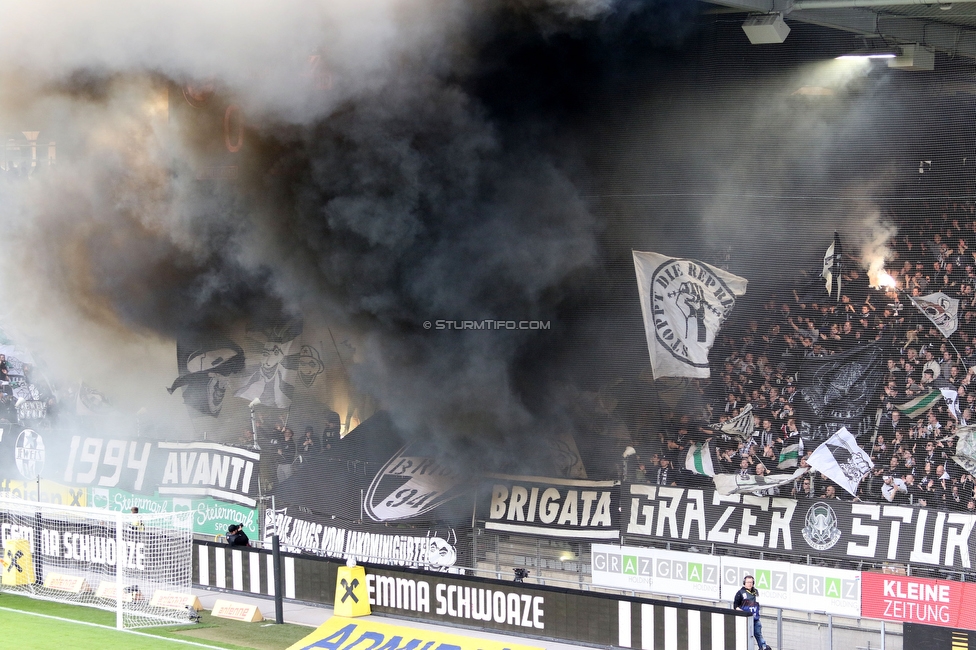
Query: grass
(28, 629)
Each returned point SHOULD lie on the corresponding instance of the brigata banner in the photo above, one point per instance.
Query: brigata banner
(841, 529)
(697, 575)
(171, 469)
(795, 586)
(582, 510)
(656, 571)
(918, 600)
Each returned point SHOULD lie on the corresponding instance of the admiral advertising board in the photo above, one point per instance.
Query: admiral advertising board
(841, 529)
(338, 632)
(905, 599)
(171, 469)
(582, 510)
(711, 577)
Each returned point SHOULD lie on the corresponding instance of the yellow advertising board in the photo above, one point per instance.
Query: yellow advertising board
(18, 565)
(351, 596)
(339, 633)
(51, 492)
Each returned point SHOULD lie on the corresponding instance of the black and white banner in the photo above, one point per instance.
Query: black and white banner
(174, 469)
(308, 533)
(583, 510)
(842, 529)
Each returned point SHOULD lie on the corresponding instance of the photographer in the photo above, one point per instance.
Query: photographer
(236, 536)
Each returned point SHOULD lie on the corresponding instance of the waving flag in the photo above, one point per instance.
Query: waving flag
(832, 265)
(685, 303)
(942, 310)
(842, 460)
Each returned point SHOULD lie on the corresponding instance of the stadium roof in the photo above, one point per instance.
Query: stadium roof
(947, 26)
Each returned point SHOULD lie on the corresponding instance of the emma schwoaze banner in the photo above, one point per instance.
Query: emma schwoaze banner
(842, 529)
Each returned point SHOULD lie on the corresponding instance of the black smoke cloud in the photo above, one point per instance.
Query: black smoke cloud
(424, 181)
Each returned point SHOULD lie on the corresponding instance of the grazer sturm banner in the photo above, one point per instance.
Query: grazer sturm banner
(210, 516)
(841, 529)
(583, 510)
(656, 571)
(804, 587)
(304, 535)
(908, 599)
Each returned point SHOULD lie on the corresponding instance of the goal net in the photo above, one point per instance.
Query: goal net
(138, 565)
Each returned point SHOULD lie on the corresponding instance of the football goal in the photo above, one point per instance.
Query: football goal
(138, 565)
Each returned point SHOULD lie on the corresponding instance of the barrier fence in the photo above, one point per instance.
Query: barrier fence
(536, 611)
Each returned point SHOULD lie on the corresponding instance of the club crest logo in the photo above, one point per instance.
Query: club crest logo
(29, 454)
(411, 484)
(820, 528)
(689, 303)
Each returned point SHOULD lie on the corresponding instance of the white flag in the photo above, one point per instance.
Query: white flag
(951, 396)
(684, 303)
(942, 310)
(726, 484)
(842, 460)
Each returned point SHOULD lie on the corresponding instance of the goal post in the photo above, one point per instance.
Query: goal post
(138, 565)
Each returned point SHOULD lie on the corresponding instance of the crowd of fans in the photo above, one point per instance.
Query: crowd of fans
(283, 449)
(755, 362)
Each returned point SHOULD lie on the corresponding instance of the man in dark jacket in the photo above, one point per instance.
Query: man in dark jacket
(747, 599)
(236, 536)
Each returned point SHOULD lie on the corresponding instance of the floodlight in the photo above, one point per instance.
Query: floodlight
(765, 29)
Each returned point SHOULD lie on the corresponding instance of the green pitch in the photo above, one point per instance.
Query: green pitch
(29, 624)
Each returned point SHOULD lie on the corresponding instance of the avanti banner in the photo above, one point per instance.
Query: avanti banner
(172, 469)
